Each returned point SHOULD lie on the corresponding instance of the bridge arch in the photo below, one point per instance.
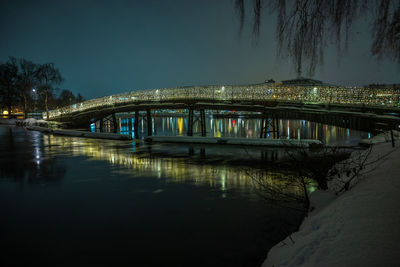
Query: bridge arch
(357, 107)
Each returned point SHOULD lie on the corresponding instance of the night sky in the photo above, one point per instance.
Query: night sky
(107, 47)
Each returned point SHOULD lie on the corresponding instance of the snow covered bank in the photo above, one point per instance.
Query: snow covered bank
(47, 127)
(380, 138)
(236, 141)
(27, 122)
(111, 136)
(32, 122)
(360, 227)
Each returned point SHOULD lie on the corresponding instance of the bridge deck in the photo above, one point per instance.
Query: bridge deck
(219, 97)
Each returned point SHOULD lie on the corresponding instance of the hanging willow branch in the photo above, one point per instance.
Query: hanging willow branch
(304, 27)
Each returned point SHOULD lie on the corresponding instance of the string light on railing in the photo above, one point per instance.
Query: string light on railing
(325, 94)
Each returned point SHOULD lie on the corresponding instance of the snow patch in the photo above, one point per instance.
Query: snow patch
(380, 138)
(360, 227)
(236, 141)
(319, 199)
(25, 122)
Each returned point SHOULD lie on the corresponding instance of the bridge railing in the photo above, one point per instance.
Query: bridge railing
(257, 92)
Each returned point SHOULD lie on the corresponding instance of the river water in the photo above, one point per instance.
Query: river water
(67, 200)
(238, 127)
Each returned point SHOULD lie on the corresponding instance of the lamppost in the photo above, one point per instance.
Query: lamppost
(34, 96)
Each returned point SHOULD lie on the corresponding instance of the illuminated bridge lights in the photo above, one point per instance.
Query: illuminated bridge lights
(386, 96)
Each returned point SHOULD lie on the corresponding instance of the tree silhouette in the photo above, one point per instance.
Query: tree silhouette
(47, 76)
(8, 82)
(305, 26)
(79, 98)
(26, 81)
(67, 98)
(19, 76)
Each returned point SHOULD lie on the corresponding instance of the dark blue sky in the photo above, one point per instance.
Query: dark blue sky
(107, 47)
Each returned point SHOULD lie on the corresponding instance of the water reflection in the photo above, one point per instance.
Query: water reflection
(216, 167)
(24, 158)
(242, 127)
(124, 202)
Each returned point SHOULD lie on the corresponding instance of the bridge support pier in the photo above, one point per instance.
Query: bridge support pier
(278, 131)
(190, 123)
(130, 128)
(266, 124)
(149, 123)
(136, 125)
(114, 119)
(101, 125)
(264, 128)
(203, 122)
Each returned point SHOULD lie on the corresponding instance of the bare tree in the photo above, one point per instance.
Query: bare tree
(305, 26)
(67, 98)
(8, 82)
(26, 81)
(47, 76)
(291, 187)
(300, 169)
(79, 98)
(348, 173)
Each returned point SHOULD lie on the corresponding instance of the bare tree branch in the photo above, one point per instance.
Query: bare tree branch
(305, 26)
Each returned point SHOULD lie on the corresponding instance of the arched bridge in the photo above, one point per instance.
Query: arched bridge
(351, 107)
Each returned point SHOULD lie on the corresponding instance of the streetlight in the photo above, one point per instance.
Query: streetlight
(34, 94)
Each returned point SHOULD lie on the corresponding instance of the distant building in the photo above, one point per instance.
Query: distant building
(302, 81)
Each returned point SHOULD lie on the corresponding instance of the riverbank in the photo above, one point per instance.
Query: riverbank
(359, 227)
(29, 122)
(304, 143)
(51, 128)
(73, 133)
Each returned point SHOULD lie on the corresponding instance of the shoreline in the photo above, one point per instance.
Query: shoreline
(358, 227)
(74, 133)
(303, 143)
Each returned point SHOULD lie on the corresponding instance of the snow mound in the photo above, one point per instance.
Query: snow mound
(25, 122)
(34, 122)
(111, 136)
(359, 228)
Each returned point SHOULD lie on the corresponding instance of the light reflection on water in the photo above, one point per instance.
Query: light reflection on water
(241, 127)
(115, 203)
(212, 166)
